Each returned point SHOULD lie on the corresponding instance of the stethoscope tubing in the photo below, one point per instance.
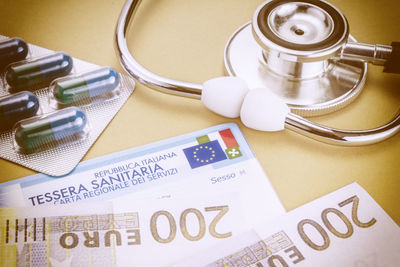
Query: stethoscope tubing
(342, 137)
(140, 73)
(193, 90)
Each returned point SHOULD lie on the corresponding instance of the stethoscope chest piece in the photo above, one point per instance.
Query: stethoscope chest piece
(293, 48)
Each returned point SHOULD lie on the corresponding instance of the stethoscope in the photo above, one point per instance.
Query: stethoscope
(299, 57)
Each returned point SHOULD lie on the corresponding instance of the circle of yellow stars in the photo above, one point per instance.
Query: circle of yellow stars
(211, 158)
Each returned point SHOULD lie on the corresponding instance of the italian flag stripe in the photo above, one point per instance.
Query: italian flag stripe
(228, 138)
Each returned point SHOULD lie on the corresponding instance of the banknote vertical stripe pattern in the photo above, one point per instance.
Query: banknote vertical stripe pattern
(8, 254)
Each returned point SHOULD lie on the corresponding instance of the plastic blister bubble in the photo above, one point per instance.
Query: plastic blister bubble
(88, 88)
(12, 50)
(16, 107)
(49, 130)
(36, 72)
(73, 111)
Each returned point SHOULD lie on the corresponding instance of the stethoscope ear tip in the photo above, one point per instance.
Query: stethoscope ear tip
(264, 111)
(224, 95)
(259, 108)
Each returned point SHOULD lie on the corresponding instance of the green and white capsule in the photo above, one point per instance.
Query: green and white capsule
(86, 86)
(38, 73)
(64, 125)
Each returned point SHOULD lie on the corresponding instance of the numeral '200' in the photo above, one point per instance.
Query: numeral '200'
(182, 223)
(324, 215)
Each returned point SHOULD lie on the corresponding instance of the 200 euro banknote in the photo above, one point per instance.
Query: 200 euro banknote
(344, 228)
(119, 232)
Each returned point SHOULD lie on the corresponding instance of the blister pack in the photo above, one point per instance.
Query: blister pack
(52, 106)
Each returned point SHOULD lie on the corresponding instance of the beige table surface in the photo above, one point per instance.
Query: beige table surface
(185, 39)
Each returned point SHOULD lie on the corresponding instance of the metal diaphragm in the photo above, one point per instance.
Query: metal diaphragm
(291, 48)
(310, 30)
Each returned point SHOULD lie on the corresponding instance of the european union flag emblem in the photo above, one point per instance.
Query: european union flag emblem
(204, 154)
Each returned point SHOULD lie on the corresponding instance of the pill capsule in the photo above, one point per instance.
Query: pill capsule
(52, 129)
(39, 72)
(16, 107)
(86, 86)
(12, 50)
